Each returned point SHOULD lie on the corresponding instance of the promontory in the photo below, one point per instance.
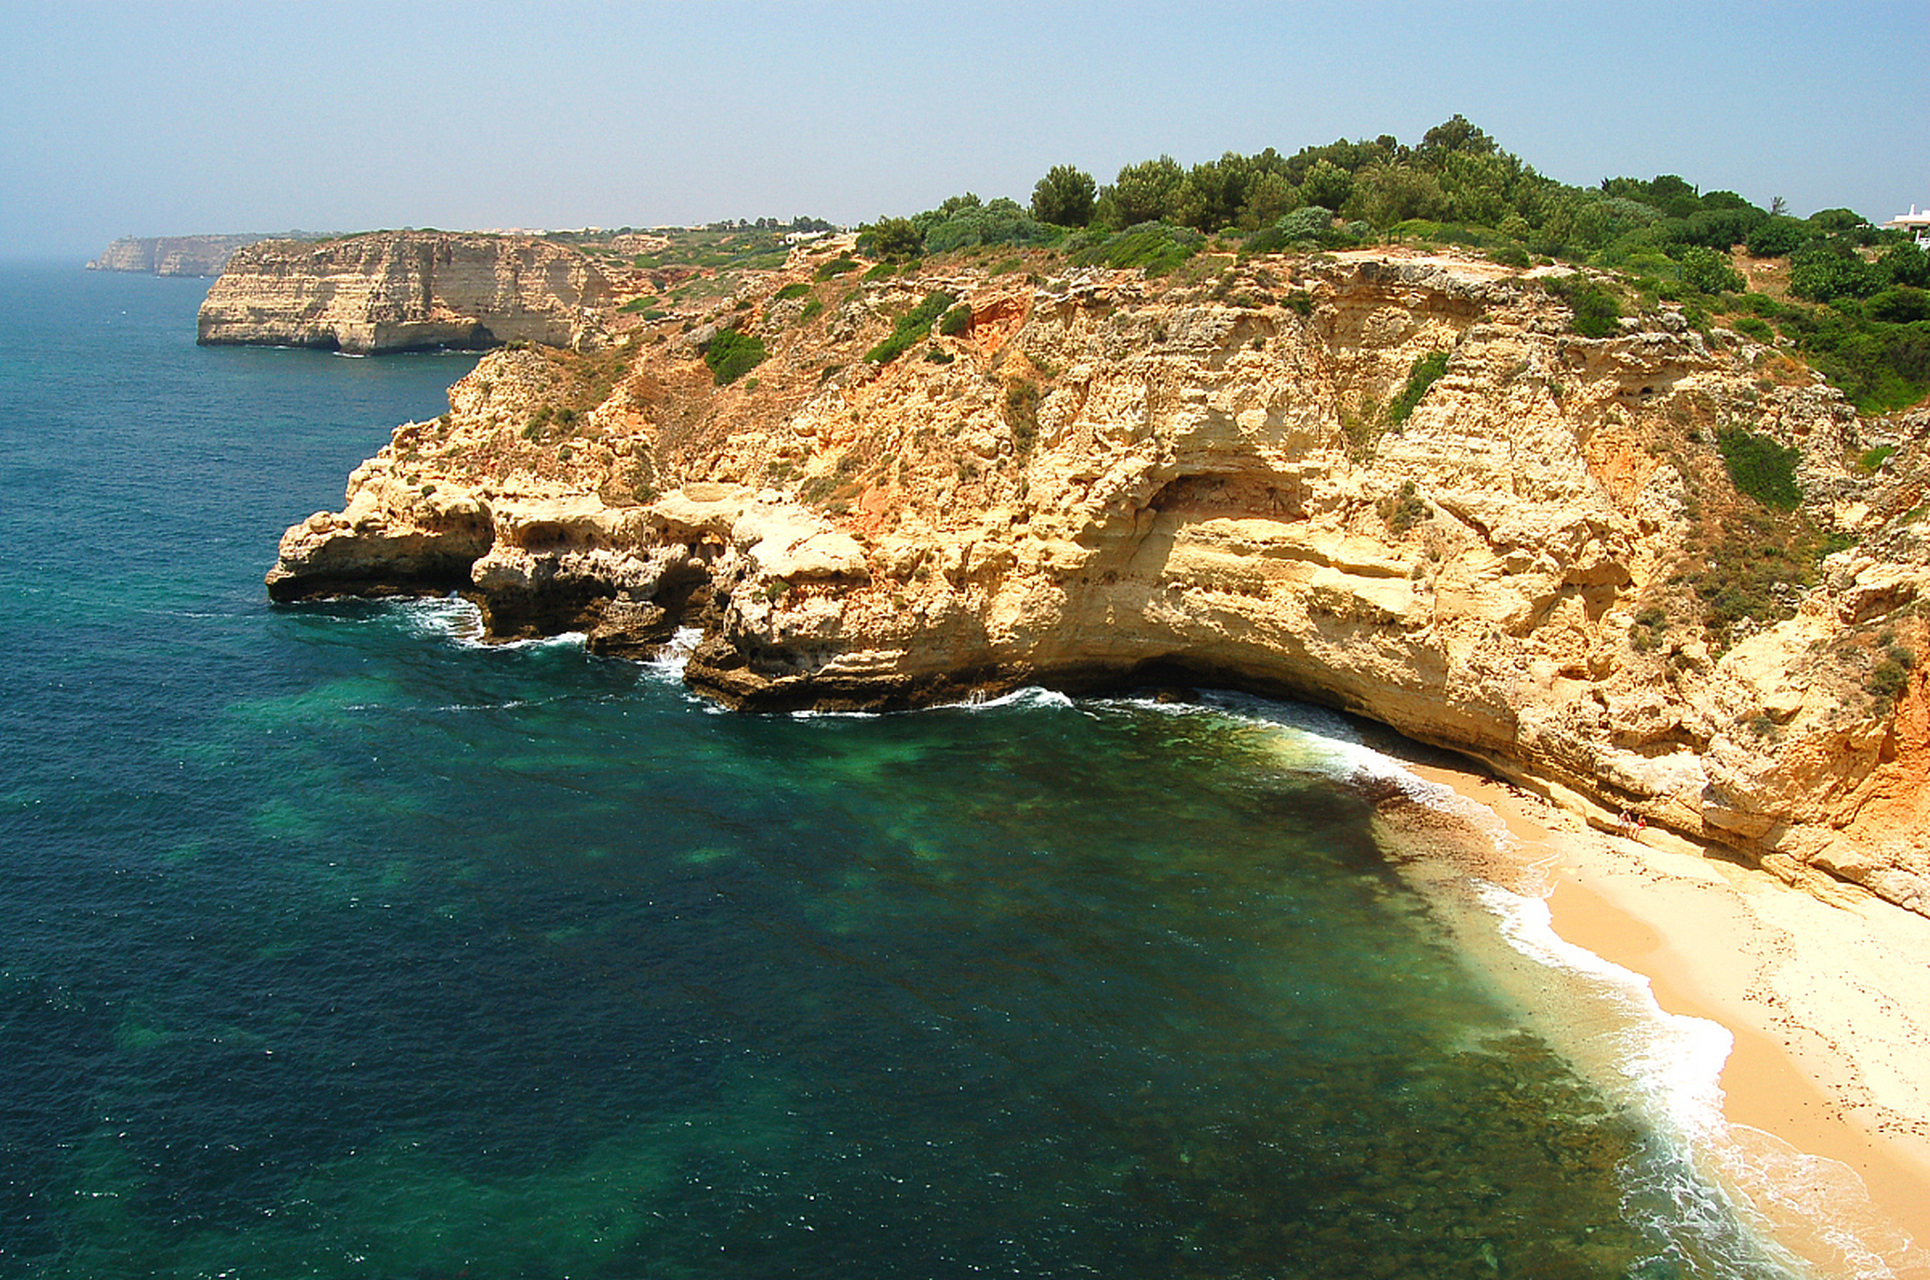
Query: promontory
(1663, 570)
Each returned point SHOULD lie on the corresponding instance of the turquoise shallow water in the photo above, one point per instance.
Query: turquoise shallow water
(334, 944)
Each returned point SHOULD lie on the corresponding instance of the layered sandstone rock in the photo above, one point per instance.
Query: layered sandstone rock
(406, 290)
(172, 255)
(1105, 478)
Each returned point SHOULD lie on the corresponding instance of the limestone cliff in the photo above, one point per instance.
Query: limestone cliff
(171, 255)
(1239, 473)
(404, 290)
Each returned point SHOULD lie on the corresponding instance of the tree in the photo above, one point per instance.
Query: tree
(1453, 135)
(1327, 185)
(891, 238)
(1216, 192)
(1390, 193)
(1270, 197)
(1064, 197)
(1148, 191)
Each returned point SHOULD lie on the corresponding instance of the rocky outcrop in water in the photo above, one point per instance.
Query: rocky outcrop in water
(172, 255)
(406, 290)
(1397, 485)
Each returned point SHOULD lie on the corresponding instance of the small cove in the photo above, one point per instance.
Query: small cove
(335, 944)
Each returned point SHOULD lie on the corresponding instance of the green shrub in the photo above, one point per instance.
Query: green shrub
(1403, 513)
(1154, 247)
(1777, 238)
(1509, 255)
(1710, 271)
(1299, 301)
(1755, 327)
(1761, 468)
(1596, 310)
(836, 267)
(1871, 459)
(1906, 264)
(731, 355)
(880, 271)
(811, 309)
(1891, 675)
(1424, 373)
(956, 321)
(964, 223)
(914, 326)
(796, 289)
(1646, 631)
(1826, 271)
(635, 305)
(1751, 564)
(938, 356)
(1899, 304)
(1311, 227)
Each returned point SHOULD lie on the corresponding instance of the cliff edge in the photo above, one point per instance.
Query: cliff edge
(1397, 484)
(405, 290)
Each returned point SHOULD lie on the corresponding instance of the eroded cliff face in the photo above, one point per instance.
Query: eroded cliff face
(406, 290)
(1100, 478)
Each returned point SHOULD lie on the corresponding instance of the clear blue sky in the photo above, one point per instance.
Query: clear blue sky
(170, 118)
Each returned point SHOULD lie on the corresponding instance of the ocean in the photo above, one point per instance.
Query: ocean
(334, 942)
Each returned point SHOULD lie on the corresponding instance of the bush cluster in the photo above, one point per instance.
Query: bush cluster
(1597, 311)
(962, 222)
(1761, 468)
(731, 355)
(912, 327)
(1154, 247)
(1425, 372)
(1891, 674)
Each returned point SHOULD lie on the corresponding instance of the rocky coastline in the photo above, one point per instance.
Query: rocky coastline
(1082, 477)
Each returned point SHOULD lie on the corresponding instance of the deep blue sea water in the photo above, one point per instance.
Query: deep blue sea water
(333, 943)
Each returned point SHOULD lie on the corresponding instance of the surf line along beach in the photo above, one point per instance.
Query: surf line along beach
(1823, 1133)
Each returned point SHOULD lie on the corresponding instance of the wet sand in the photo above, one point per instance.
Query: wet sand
(1829, 1004)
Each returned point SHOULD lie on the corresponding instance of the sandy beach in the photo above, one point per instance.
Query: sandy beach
(1827, 1089)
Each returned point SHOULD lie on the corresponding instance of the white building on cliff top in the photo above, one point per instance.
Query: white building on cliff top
(1913, 221)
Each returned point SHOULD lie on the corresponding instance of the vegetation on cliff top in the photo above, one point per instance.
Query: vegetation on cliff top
(1858, 304)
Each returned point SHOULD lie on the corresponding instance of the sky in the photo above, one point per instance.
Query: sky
(177, 118)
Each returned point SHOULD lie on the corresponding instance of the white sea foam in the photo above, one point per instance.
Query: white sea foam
(1030, 695)
(1672, 1061)
(457, 621)
(668, 666)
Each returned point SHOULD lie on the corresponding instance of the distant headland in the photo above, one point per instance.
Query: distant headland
(181, 255)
